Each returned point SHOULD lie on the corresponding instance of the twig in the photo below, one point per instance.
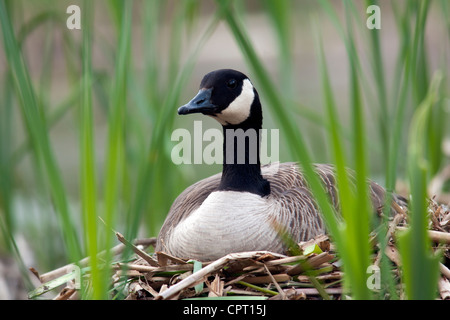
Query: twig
(312, 263)
(212, 267)
(320, 289)
(255, 287)
(444, 270)
(138, 251)
(393, 254)
(398, 209)
(65, 294)
(216, 287)
(285, 260)
(444, 288)
(283, 295)
(281, 277)
(394, 224)
(435, 236)
(118, 249)
(236, 291)
(143, 268)
(163, 257)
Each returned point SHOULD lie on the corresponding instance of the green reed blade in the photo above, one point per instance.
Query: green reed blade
(87, 158)
(38, 134)
(276, 104)
(420, 265)
(156, 159)
(115, 150)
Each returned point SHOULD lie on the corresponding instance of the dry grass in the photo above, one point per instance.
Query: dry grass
(316, 273)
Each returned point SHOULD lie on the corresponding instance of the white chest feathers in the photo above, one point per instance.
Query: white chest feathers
(226, 222)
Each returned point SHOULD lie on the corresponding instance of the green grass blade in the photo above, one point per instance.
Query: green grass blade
(353, 243)
(346, 243)
(115, 151)
(420, 266)
(292, 134)
(420, 77)
(87, 158)
(357, 224)
(197, 267)
(6, 141)
(7, 233)
(155, 159)
(116, 116)
(345, 193)
(380, 82)
(280, 13)
(384, 130)
(38, 134)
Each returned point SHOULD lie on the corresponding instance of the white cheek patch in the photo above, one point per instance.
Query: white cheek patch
(239, 110)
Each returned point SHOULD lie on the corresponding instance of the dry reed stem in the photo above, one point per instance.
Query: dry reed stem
(435, 236)
(169, 277)
(48, 276)
(275, 282)
(212, 267)
(444, 270)
(136, 250)
(444, 288)
(216, 287)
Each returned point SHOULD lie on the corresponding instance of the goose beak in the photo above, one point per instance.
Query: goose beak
(200, 104)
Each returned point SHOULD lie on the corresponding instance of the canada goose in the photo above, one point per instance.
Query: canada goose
(236, 210)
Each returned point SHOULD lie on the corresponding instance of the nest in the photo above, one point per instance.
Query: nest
(313, 271)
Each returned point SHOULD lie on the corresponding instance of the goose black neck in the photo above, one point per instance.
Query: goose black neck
(241, 164)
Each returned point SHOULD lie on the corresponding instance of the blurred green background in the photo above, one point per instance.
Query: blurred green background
(86, 115)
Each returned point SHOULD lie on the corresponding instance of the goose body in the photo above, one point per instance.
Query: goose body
(242, 208)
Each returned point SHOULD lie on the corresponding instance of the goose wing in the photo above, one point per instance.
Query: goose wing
(297, 209)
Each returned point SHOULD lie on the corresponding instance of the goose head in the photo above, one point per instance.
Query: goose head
(229, 97)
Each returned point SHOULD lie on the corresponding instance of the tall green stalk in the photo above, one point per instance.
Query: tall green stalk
(115, 149)
(38, 134)
(292, 134)
(420, 265)
(351, 235)
(378, 71)
(87, 158)
(153, 170)
(353, 241)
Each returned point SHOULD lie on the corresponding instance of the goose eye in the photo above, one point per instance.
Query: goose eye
(231, 84)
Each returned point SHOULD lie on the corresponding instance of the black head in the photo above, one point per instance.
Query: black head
(226, 95)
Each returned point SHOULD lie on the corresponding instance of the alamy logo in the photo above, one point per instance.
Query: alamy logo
(373, 280)
(74, 20)
(191, 148)
(374, 20)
